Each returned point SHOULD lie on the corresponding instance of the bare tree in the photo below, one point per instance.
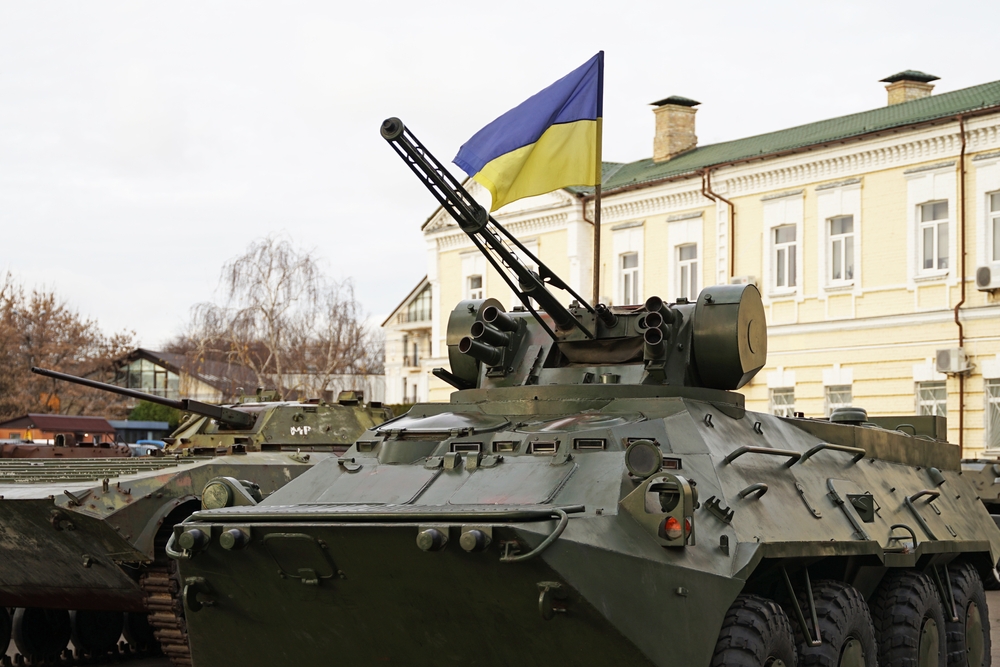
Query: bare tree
(283, 319)
(39, 329)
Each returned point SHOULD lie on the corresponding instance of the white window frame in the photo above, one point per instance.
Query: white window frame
(687, 273)
(837, 201)
(473, 264)
(628, 238)
(993, 227)
(991, 413)
(782, 408)
(845, 241)
(683, 232)
(934, 226)
(784, 260)
(628, 278)
(829, 391)
(924, 403)
(779, 211)
(925, 185)
(987, 180)
(472, 291)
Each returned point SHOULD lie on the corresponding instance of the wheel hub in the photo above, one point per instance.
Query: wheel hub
(974, 636)
(929, 650)
(852, 655)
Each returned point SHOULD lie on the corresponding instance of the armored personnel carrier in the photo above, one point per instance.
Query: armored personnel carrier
(596, 493)
(83, 539)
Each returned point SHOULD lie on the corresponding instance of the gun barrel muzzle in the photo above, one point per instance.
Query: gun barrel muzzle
(489, 355)
(500, 320)
(485, 333)
(653, 339)
(606, 316)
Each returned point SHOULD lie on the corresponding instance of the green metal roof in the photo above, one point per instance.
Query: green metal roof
(983, 96)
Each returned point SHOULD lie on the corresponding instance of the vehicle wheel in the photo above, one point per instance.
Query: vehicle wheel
(755, 633)
(909, 621)
(845, 627)
(990, 582)
(969, 637)
(96, 632)
(41, 633)
(4, 630)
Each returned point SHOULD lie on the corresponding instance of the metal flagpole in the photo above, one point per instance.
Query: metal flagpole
(597, 217)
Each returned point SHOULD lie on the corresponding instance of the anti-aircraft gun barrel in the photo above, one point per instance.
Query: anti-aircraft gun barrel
(231, 418)
(485, 232)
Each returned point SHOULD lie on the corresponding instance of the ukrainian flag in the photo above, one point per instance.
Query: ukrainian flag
(550, 141)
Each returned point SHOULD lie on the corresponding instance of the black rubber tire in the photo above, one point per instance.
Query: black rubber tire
(755, 633)
(41, 633)
(843, 618)
(96, 632)
(5, 630)
(900, 607)
(968, 590)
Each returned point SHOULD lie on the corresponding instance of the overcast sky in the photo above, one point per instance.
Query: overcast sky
(142, 144)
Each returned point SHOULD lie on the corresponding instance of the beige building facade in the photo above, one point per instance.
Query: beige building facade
(874, 239)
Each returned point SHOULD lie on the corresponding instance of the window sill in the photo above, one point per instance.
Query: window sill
(782, 295)
(931, 276)
(839, 287)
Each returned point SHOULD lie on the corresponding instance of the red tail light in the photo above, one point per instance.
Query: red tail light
(672, 528)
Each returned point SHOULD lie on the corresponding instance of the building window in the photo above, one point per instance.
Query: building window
(687, 271)
(419, 310)
(837, 396)
(406, 358)
(474, 287)
(629, 263)
(416, 354)
(841, 248)
(933, 235)
(994, 226)
(785, 248)
(783, 402)
(992, 414)
(932, 398)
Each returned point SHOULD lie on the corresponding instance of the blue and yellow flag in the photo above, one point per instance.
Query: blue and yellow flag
(551, 140)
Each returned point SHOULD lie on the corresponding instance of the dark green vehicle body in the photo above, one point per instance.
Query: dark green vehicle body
(94, 522)
(595, 493)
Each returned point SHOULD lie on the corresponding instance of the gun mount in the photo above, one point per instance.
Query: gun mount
(232, 418)
(720, 342)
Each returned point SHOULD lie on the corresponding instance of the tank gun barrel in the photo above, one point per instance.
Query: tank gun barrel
(232, 418)
(487, 234)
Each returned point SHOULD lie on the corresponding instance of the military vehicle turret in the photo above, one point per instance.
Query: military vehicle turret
(596, 493)
(83, 539)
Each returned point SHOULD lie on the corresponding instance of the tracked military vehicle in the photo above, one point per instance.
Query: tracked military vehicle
(596, 493)
(82, 540)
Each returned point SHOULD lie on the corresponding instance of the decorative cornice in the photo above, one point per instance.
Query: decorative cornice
(930, 167)
(685, 216)
(628, 225)
(782, 195)
(520, 229)
(838, 184)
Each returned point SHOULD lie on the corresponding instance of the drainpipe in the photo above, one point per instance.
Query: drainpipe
(706, 191)
(958, 322)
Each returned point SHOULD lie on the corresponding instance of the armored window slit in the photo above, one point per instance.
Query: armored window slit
(590, 443)
(543, 448)
(505, 447)
(467, 447)
(366, 445)
(671, 463)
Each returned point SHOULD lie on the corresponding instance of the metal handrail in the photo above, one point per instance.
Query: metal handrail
(771, 451)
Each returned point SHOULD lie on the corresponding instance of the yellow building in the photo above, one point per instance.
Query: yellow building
(856, 230)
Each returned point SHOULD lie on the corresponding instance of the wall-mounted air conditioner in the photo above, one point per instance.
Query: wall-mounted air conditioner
(987, 279)
(743, 280)
(952, 361)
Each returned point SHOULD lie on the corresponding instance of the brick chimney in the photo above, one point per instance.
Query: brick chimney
(674, 127)
(908, 85)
